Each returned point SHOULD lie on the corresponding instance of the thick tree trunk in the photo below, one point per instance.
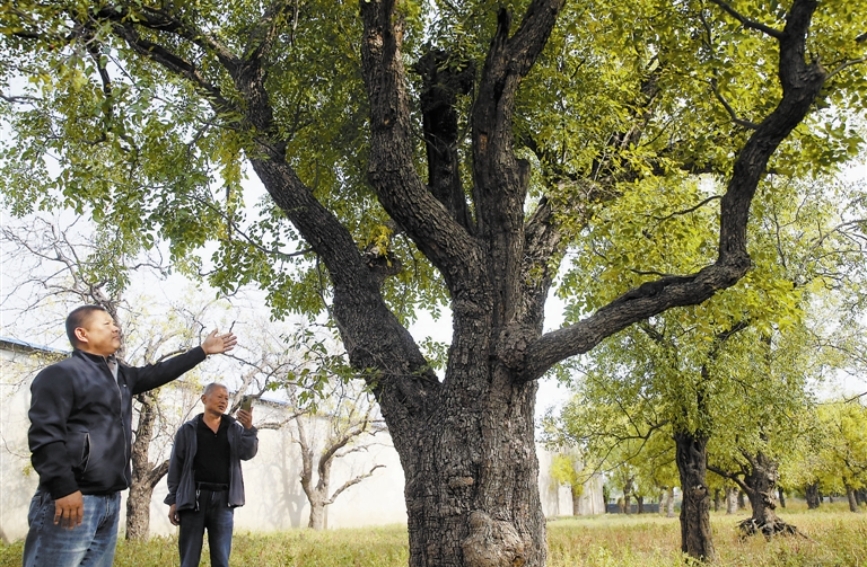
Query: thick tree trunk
(471, 483)
(761, 485)
(695, 532)
(471, 472)
(473, 498)
(814, 499)
(145, 476)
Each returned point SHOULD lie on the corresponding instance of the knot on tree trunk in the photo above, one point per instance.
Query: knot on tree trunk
(513, 343)
(492, 543)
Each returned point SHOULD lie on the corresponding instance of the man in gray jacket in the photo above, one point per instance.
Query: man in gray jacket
(205, 479)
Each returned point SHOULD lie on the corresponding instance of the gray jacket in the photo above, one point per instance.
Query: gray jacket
(243, 446)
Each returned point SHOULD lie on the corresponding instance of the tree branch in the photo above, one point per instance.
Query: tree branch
(801, 83)
(747, 23)
(739, 121)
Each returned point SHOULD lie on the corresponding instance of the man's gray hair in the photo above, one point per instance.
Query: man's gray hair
(213, 386)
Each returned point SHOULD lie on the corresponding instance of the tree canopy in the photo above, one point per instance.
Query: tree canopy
(431, 154)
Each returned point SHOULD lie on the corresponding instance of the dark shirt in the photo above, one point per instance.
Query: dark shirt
(211, 463)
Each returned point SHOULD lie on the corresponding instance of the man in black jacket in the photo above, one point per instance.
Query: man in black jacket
(80, 438)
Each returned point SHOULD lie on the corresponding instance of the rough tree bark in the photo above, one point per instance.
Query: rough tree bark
(466, 442)
(758, 479)
(695, 532)
(760, 485)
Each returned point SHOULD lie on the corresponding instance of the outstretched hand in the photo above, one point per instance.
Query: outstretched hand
(218, 344)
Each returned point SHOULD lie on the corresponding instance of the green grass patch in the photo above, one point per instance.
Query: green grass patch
(836, 538)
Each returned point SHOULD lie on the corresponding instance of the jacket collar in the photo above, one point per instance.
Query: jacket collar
(88, 356)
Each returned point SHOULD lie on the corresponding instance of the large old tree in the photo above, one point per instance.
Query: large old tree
(428, 154)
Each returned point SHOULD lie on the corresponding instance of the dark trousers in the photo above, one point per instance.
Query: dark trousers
(215, 515)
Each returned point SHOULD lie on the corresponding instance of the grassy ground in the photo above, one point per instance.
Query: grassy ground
(837, 538)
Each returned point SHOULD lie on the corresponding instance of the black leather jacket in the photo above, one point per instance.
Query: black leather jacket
(81, 420)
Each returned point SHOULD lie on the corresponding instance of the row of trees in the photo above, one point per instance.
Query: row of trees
(56, 268)
(456, 155)
(827, 458)
(728, 386)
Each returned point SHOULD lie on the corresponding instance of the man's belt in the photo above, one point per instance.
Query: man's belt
(212, 486)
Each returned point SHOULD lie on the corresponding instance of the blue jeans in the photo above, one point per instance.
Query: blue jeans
(90, 544)
(215, 515)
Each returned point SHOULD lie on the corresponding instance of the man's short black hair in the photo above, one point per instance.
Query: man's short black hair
(77, 319)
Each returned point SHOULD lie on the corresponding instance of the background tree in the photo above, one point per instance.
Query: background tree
(58, 264)
(568, 467)
(59, 268)
(343, 424)
(470, 195)
(844, 453)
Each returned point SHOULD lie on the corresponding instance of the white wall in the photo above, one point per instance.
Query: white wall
(275, 500)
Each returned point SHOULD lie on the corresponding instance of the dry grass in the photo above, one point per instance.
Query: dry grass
(837, 538)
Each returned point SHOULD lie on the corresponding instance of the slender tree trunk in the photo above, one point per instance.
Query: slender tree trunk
(317, 519)
(640, 501)
(850, 495)
(731, 500)
(813, 497)
(576, 500)
(741, 501)
(669, 503)
(781, 495)
(691, 457)
(716, 499)
(627, 497)
(145, 475)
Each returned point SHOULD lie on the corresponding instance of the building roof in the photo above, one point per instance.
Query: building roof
(17, 345)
